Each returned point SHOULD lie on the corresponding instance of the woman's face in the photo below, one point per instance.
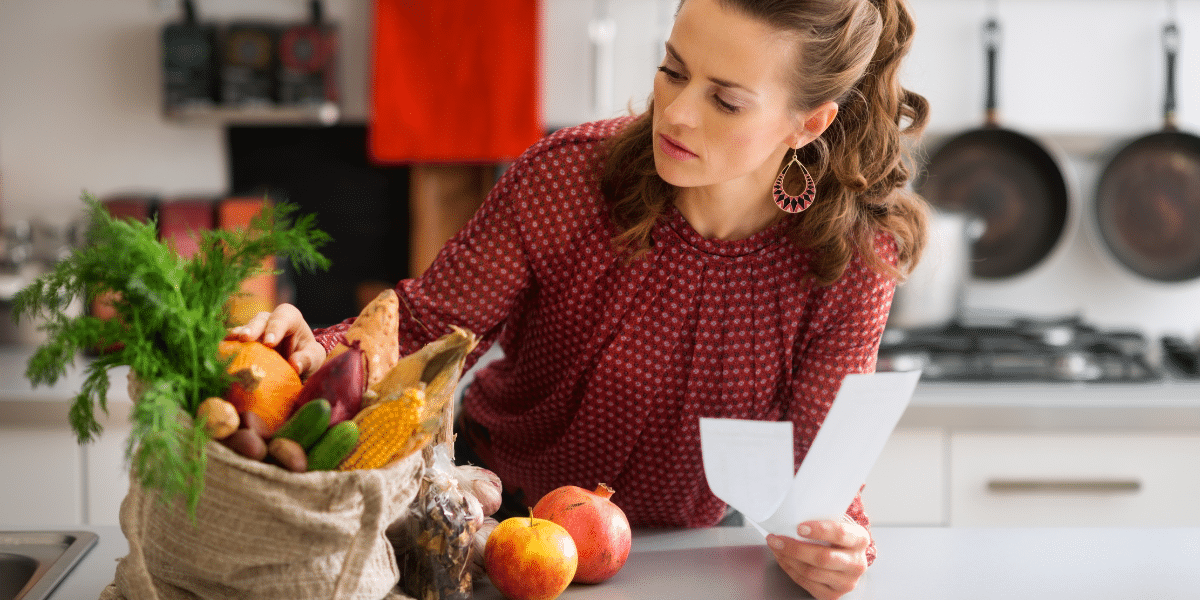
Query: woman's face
(721, 113)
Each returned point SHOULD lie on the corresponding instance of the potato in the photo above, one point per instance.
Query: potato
(289, 453)
(220, 417)
(254, 423)
(247, 443)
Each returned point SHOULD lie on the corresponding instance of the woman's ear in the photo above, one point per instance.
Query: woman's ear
(815, 123)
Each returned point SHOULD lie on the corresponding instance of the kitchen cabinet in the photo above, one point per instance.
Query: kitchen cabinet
(907, 485)
(107, 470)
(40, 466)
(1073, 479)
(1041, 455)
(978, 478)
(49, 477)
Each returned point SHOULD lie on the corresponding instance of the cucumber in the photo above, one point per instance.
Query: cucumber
(307, 424)
(333, 447)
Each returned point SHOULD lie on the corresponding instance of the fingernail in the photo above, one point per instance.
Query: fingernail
(776, 543)
(269, 338)
(804, 530)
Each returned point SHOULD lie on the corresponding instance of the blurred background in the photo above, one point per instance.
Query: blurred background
(93, 97)
(82, 107)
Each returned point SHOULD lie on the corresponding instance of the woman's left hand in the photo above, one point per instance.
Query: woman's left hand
(827, 572)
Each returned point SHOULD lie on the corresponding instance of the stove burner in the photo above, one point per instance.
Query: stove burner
(1023, 350)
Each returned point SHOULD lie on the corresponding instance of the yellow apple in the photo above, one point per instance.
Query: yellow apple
(528, 558)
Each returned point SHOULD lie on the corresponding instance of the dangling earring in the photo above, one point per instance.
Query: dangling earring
(788, 202)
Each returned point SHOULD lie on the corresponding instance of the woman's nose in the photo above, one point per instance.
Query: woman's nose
(681, 109)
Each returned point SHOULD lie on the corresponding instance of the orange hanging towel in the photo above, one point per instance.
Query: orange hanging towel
(454, 80)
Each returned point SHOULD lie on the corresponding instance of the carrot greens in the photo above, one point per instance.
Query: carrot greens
(171, 316)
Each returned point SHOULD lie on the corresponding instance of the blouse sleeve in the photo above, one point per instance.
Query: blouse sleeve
(848, 325)
(476, 280)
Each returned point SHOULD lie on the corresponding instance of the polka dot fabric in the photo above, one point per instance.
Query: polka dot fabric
(608, 364)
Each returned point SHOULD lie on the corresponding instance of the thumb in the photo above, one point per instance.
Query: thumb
(300, 364)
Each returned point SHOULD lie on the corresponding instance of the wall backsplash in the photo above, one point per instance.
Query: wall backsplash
(85, 111)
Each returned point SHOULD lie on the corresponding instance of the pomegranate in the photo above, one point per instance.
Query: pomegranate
(598, 527)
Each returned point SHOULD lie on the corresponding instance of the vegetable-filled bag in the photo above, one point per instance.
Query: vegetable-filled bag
(263, 532)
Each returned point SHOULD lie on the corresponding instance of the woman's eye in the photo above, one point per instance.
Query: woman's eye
(672, 75)
(725, 106)
(677, 77)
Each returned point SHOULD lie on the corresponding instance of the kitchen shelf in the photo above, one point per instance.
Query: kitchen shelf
(326, 113)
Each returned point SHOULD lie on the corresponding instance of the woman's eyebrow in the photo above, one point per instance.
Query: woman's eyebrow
(721, 82)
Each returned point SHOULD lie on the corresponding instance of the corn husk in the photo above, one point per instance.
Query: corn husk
(432, 372)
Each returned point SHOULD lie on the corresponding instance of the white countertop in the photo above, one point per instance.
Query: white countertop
(921, 564)
(14, 386)
(914, 564)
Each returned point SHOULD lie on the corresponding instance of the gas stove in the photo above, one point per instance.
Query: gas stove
(1019, 350)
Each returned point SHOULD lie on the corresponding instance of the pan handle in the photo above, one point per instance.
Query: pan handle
(991, 44)
(1170, 39)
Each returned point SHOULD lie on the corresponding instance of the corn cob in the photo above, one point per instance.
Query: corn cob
(389, 430)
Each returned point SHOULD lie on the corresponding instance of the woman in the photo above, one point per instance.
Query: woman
(639, 273)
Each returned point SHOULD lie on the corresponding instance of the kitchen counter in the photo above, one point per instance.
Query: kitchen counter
(914, 564)
(14, 386)
(1167, 405)
(95, 570)
(934, 471)
(918, 564)
(1168, 393)
(1159, 406)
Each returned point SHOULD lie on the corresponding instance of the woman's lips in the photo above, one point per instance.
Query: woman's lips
(674, 149)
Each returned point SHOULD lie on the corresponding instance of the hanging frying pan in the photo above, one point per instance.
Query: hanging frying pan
(1148, 197)
(1005, 178)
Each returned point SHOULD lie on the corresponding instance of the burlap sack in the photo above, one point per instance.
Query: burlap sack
(263, 532)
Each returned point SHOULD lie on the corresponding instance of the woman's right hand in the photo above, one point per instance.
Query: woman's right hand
(285, 330)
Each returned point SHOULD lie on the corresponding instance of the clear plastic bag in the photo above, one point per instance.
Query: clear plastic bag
(434, 545)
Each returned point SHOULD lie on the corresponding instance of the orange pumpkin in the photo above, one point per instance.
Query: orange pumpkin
(264, 382)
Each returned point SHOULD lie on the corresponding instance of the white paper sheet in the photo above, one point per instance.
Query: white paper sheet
(749, 463)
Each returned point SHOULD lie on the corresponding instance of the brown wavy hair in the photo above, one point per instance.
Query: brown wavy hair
(851, 52)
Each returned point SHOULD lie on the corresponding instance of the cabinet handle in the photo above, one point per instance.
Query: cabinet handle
(1064, 486)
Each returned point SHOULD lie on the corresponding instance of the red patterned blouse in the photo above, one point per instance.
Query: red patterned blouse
(608, 364)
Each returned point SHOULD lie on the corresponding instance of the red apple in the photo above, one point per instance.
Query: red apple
(530, 559)
(599, 528)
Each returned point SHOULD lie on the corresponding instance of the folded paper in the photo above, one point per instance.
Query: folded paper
(748, 464)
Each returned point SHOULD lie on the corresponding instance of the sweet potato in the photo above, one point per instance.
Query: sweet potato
(377, 330)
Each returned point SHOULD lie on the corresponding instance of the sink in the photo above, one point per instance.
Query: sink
(32, 563)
